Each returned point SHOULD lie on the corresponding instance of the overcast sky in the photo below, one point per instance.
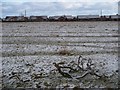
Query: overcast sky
(59, 7)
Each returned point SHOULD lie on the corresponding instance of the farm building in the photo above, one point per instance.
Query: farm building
(114, 16)
(0, 19)
(54, 18)
(38, 18)
(11, 18)
(16, 18)
(22, 18)
(110, 17)
(88, 17)
(69, 17)
(44, 17)
(61, 18)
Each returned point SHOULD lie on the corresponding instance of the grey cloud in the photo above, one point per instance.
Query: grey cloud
(101, 5)
(55, 8)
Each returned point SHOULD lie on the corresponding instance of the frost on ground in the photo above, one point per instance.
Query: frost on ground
(29, 50)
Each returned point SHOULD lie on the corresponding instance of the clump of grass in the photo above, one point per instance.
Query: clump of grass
(91, 27)
(57, 35)
(54, 35)
(20, 26)
(64, 52)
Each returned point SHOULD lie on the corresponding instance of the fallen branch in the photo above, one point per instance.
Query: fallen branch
(17, 77)
(91, 73)
(83, 75)
(64, 74)
(68, 68)
(80, 63)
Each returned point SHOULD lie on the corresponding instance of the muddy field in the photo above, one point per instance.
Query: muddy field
(29, 50)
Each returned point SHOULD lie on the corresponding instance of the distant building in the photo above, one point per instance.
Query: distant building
(55, 18)
(114, 16)
(15, 18)
(0, 19)
(69, 17)
(21, 18)
(11, 18)
(88, 17)
(44, 17)
(38, 18)
(63, 18)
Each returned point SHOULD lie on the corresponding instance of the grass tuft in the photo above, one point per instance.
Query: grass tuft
(64, 52)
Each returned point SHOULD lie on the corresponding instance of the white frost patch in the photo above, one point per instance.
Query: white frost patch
(106, 63)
